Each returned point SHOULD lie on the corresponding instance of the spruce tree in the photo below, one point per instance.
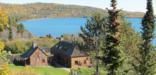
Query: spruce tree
(112, 57)
(146, 63)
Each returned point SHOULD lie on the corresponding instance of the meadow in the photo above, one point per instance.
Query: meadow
(46, 70)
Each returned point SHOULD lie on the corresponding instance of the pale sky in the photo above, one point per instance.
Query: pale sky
(129, 5)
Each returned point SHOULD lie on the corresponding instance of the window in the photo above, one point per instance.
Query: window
(76, 62)
(85, 62)
(43, 60)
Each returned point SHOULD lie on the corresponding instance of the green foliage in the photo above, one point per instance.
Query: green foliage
(130, 39)
(3, 19)
(93, 34)
(20, 45)
(13, 23)
(17, 46)
(93, 31)
(48, 42)
(1, 46)
(146, 60)
(10, 33)
(5, 70)
(49, 36)
(129, 42)
(4, 58)
(20, 28)
(10, 29)
(3, 54)
(113, 57)
(13, 20)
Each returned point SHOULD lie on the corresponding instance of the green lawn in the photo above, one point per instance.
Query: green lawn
(47, 70)
(90, 71)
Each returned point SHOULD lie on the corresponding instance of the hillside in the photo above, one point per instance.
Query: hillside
(4, 35)
(51, 10)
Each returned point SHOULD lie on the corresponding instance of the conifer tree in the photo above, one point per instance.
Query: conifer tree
(112, 57)
(92, 34)
(146, 64)
(10, 37)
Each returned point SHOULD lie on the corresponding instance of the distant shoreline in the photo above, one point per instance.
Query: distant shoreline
(59, 18)
(48, 18)
(53, 10)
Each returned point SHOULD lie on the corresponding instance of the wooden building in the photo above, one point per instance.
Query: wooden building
(69, 55)
(36, 56)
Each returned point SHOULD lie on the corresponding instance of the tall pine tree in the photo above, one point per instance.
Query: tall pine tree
(146, 64)
(112, 57)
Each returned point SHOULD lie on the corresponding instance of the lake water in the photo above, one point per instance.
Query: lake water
(56, 27)
(59, 26)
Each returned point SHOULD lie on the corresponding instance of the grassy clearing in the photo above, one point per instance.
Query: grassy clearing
(90, 71)
(47, 70)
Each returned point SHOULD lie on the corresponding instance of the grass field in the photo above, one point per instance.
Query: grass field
(90, 71)
(47, 70)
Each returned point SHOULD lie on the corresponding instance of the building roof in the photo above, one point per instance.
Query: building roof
(68, 48)
(31, 51)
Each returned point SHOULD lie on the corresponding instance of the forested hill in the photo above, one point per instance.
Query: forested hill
(51, 10)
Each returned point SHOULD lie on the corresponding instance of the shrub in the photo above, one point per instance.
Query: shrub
(17, 46)
(4, 70)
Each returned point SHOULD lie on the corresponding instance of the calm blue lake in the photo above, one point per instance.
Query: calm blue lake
(54, 26)
(59, 26)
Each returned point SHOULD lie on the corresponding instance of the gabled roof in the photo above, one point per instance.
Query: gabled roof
(31, 51)
(68, 48)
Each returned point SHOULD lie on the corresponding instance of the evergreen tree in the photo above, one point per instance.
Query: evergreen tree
(112, 57)
(20, 28)
(49, 36)
(146, 64)
(92, 34)
(129, 42)
(10, 29)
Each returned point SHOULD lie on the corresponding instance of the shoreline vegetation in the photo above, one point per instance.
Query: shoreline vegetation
(52, 10)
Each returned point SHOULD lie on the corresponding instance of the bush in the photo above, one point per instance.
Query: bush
(17, 46)
(3, 54)
(4, 70)
(45, 42)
